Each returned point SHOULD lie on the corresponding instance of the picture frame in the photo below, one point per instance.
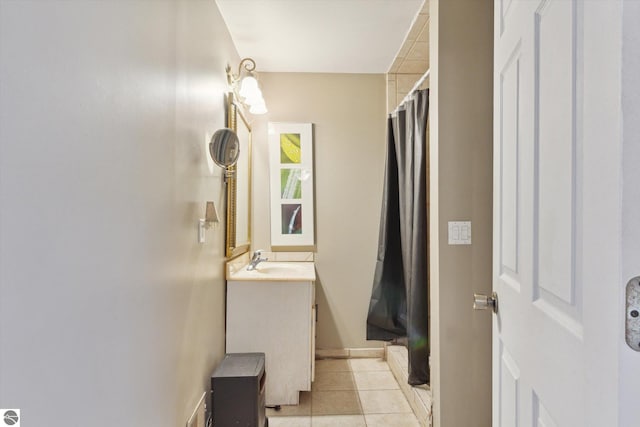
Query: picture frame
(291, 184)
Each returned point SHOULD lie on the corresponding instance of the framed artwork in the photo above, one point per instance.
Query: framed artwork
(291, 184)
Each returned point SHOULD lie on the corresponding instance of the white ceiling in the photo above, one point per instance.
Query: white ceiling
(321, 36)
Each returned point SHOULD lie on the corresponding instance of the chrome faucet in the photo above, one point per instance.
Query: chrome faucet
(256, 259)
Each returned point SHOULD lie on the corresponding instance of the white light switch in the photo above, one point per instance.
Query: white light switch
(459, 232)
(201, 227)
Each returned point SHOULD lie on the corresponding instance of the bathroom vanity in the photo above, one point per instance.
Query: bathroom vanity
(272, 310)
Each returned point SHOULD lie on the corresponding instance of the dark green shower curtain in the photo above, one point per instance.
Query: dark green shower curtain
(399, 304)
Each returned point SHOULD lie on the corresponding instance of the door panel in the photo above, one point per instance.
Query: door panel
(543, 364)
(509, 162)
(509, 376)
(555, 139)
(541, 416)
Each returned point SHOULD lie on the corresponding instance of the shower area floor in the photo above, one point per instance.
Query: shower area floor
(419, 397)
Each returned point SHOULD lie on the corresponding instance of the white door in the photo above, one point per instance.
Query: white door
(556, 268)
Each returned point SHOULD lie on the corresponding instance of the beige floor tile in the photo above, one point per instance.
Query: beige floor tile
(303, 408)
(366, 352)
(368, 365)
(332, 365)
(383, 402)
(375, 380)
(335, 403)
(338, 421)
(289, 421)
(328, 381)
(387, 420)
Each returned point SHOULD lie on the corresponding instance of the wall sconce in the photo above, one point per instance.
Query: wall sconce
(210, 219)
(245, 85)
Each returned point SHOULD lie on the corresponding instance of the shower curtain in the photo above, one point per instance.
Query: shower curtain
(399, 305)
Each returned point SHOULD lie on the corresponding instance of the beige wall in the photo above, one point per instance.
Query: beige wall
(348, 112)
(461, 189)
(111, 313)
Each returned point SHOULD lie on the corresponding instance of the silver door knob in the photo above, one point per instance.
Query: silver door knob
(484, 302)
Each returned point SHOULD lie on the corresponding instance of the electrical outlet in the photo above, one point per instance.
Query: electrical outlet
(197, 419)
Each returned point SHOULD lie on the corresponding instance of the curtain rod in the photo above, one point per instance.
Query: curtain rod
(414, 88)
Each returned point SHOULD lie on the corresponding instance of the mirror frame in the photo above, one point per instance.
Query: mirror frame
(235, 117)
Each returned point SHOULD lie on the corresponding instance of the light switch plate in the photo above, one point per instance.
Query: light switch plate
(201, 227)
(459, 232)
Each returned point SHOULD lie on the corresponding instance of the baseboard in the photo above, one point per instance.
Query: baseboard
(349, 353)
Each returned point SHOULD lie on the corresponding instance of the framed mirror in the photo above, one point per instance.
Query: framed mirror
(239, 184)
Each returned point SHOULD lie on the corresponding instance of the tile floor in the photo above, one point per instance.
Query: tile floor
(349, 393)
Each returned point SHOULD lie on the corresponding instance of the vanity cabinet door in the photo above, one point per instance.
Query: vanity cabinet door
(274, 318)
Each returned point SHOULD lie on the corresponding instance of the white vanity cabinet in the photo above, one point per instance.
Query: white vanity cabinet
(276, 317)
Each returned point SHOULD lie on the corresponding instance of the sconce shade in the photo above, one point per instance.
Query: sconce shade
(248, 87)
(258, 108)
(211, 213)
(254, 98)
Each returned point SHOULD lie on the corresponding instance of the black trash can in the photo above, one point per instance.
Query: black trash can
(237, 391)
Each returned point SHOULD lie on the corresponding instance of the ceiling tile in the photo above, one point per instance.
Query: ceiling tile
(405, 82)
(419, 52)
(417, 27)
(424, 34)
(425, 7)
(399, 97)
(392, 87)
(396, 65)
(410, 67)
(404, 50)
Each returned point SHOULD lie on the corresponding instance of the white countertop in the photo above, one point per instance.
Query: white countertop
(275, 271)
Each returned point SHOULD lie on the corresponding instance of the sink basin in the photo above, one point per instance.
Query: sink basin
(277, 271)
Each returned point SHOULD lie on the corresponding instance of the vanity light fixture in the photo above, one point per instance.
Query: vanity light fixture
(245, 85)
